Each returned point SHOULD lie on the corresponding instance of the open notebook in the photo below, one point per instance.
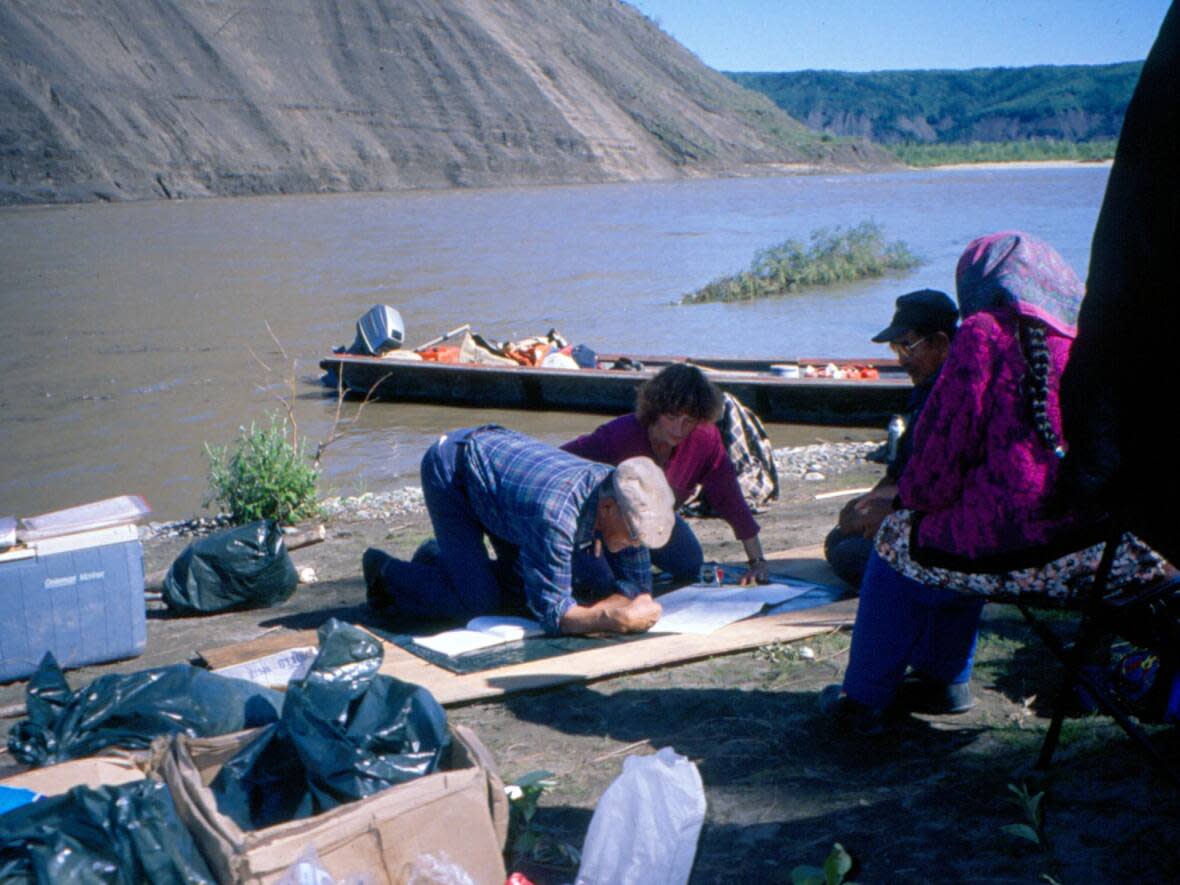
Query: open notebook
(481, 632)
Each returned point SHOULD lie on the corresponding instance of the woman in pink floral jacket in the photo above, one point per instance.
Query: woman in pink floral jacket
(976, 491)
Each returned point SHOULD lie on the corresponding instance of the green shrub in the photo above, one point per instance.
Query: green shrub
(267, 475)
(835, 256)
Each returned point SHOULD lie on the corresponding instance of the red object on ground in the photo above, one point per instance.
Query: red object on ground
(518, 879)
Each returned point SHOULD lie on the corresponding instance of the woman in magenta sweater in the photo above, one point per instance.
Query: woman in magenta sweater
(976, 492)
(673, 424)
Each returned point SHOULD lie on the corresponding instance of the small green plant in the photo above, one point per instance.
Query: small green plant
(834, 256)
(835, 868)
(267, 475)
(529, 840)
(1032, 830)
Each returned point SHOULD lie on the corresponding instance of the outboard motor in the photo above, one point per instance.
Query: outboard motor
(379, 330)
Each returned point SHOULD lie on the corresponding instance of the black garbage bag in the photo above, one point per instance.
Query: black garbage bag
(346, 732)
(128, 710)
(125, 834)
(243, 567)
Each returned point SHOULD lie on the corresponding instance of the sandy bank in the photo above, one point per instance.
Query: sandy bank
(1022, 164)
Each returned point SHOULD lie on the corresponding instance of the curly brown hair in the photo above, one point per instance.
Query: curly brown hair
(678, 389)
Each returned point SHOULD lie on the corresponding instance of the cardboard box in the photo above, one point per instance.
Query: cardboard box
(94, 771)
(79, 596)
(462, 811)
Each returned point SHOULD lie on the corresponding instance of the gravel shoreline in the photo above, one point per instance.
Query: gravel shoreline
(817, 462)
(812, 463)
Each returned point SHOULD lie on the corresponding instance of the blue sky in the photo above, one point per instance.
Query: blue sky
(871, 35)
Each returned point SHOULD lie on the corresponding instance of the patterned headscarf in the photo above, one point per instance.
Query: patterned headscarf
(1013, 269)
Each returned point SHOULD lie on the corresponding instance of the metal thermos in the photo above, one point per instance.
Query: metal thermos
(896, 429)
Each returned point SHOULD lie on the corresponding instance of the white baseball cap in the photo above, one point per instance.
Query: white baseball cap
(645, 499)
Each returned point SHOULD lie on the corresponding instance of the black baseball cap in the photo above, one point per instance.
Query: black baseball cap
(925, 311)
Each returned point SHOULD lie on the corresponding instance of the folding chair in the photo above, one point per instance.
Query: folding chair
(1117, 460)
(1137, 613)
(1102, 613)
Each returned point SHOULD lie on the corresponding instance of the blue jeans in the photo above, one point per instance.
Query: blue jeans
(902, 622)
(681, 557)
(848, 555)
(463, 581)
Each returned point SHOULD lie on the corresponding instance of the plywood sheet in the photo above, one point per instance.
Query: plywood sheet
(251, 650)
(658, 651)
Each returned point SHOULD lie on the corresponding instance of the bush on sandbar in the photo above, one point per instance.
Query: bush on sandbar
(833, 256)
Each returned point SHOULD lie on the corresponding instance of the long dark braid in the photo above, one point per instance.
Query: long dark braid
(1036, 382)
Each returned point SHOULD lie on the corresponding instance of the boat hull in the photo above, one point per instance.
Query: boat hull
(772, 397)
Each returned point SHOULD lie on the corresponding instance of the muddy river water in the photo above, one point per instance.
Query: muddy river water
(134, 334)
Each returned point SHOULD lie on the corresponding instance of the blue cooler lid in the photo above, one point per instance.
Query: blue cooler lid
(15, 797)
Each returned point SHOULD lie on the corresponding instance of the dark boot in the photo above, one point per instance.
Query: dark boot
(919, 694)
(376, 592)
(850, 716)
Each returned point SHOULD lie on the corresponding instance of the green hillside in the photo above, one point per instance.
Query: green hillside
(1072, 103)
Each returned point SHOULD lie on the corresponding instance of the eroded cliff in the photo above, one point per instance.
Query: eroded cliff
(133, 99)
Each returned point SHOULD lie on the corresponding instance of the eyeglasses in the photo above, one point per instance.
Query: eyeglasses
(908, 348)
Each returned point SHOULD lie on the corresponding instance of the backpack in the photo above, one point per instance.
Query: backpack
(750, 450)
(1146, 682)
(748, 446)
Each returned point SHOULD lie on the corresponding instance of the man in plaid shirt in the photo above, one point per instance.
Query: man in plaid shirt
(570, 536)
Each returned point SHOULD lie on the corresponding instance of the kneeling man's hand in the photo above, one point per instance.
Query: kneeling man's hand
(637, 615)
(614, 614)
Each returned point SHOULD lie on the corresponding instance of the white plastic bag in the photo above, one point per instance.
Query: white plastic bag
(646, 825)
(431, 869)
(308, 870)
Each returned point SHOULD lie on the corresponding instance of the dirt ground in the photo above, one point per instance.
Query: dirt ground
(927, 802)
